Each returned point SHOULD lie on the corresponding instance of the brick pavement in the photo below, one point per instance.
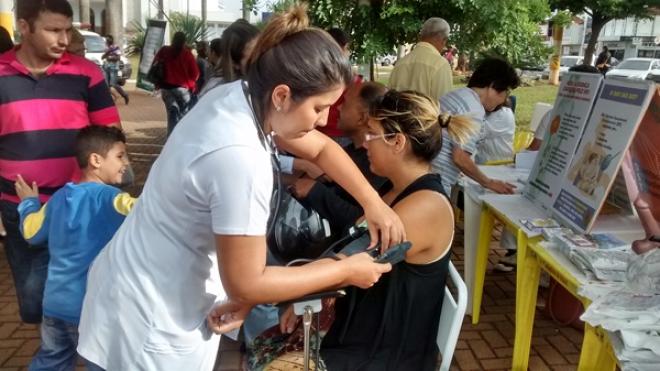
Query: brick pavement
(487, 346)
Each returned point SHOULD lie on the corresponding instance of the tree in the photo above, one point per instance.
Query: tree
(603, 11)
(506, 28)
(559, 21)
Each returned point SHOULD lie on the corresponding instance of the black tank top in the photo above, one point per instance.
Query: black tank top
(393, 325)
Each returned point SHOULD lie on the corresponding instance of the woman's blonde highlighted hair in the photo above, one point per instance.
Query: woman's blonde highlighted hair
(419, 118)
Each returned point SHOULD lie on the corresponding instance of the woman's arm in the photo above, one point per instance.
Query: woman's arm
(247, 279)
(429, 222)
(334, 161)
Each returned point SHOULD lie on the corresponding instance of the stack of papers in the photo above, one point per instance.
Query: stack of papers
(634, 325)
(600, 256)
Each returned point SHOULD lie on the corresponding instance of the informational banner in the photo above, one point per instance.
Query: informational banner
(153, 41)
(642, 168)
(569, 117)
(592, 171)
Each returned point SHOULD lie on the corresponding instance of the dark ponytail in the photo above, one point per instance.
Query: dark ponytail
(289, 52)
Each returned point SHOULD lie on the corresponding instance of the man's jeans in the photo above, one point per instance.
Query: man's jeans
(59, 340)
(177, 103)
(28, 264)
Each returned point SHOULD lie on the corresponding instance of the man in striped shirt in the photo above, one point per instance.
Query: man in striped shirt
(46, 97)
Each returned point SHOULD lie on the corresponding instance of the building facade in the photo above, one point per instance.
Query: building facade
(625, 38)
(220, 13)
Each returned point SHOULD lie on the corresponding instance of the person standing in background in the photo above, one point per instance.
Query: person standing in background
(111, 59)
(424, 69)
(48, 95)
(179, 82)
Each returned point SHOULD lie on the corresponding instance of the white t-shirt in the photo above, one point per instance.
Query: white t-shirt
(151, 288)
(463, 101)
(497, 136)
(543, 125)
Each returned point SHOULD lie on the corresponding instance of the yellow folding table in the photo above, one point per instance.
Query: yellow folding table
(596, 353)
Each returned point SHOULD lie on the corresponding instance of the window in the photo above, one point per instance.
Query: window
(634, 65)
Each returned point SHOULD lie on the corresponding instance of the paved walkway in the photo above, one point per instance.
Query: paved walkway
(487, 346)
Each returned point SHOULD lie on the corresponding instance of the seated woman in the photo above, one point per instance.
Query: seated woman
(393, 325)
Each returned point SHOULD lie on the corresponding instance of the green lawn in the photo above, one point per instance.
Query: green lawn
(526, 96)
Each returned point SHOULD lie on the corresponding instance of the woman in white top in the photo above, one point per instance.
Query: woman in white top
(197, 233)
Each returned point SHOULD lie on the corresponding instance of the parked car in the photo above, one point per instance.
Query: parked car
(636, 68)
(654, 75)
(566, 62)
(386, 60)
(95, 47)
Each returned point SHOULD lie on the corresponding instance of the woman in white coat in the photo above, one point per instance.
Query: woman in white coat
(197, 233)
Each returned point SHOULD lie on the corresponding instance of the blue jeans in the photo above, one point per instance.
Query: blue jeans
(28, 264)
(59, 340)
(177, 103)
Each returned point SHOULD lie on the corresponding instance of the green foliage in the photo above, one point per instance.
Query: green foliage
(136, 42)
(192, 26)
(506, 28)
(562, 18)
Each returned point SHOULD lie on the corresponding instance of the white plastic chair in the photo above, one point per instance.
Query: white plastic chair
(451, 318)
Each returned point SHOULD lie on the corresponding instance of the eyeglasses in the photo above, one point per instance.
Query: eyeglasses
(368, 137)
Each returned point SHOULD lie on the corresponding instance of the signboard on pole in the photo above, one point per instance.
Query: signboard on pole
(153, 41)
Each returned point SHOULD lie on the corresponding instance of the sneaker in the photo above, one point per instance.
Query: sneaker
(511, 260)
(503, 268)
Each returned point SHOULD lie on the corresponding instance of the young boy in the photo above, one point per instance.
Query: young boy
(77, 222)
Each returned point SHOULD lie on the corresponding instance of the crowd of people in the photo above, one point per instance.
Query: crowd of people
(251, 115)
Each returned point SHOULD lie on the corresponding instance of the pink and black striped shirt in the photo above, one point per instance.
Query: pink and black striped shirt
(40, 118)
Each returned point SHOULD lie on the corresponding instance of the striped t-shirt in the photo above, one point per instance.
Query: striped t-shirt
(40, 118)
(463, 101)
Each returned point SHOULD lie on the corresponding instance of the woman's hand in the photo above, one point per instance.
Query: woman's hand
(227, 316)
(288, 320)
(384, 225)
(364, 272)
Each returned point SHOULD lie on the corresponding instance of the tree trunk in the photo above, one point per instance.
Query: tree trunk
(114, 27)
(84, 13)
(246, 10)
(555, 59)
(204, 11)
(597, 24)
(161, 11)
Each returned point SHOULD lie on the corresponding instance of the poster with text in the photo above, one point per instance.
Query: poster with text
(153, 41)
(612, 125)
(569, 117)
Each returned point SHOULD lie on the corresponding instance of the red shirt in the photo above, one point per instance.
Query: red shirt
(180, 70)
(331, 129)
(40, 119)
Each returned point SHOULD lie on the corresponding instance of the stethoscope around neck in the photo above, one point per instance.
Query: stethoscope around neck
(269, 146)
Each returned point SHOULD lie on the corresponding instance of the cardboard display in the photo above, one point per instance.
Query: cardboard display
(612, 125)
(569, 118)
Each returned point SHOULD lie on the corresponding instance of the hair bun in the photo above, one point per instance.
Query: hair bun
(294, 20)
